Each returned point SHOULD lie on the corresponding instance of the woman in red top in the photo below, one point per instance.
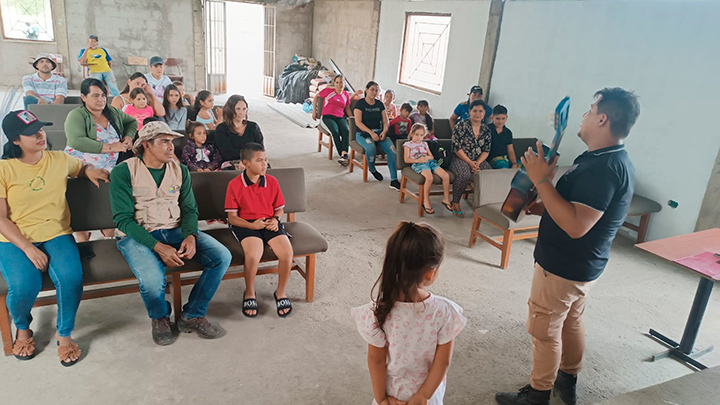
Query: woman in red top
(336, 104)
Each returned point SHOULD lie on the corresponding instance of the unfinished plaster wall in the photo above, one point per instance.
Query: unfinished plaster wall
(709, 216)
(293, 34)
(347, 32)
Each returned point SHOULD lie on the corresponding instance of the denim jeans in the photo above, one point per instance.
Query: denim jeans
(150, 271)
(109, 79)
(371, 151)
(27, 100)
(25, 281)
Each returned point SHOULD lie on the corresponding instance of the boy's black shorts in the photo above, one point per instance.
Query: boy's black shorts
(264, 234)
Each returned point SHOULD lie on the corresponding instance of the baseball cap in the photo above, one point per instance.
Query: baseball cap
(21, 122)
(156, 60)
(153, 130)
(44, 56)
(476, 89)
(94, 37)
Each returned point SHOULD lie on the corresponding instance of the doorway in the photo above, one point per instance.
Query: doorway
(245, 38)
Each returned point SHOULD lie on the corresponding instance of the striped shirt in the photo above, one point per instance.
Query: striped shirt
(48, 89)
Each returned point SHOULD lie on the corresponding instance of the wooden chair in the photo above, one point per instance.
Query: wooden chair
(491, 188)
(357, 149)
(641, 207)
(173, 70)
(409, 175)
(323, 131)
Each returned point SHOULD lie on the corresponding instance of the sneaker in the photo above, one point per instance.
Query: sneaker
(526, 396)
(344, 161)
(377, 176)
(162, 332)
(565, 387)
(395, 185)
(201, 326)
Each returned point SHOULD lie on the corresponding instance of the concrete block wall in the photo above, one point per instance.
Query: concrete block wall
(126, 28)
(294, 34)
(347, 32)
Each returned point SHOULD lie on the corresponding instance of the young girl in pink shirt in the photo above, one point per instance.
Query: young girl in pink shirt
(139, 109)
(409, 331)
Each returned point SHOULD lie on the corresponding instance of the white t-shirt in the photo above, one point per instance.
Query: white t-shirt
(412, 333)
(158, 85)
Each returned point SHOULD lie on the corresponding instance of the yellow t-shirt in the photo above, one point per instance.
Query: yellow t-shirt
(97, 60)
(36, 194)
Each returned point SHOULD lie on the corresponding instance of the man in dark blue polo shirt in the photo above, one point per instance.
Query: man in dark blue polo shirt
(582, 215)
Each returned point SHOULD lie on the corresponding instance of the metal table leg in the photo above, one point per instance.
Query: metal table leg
(683, 351)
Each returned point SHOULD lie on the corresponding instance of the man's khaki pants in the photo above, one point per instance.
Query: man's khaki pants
(556, 326)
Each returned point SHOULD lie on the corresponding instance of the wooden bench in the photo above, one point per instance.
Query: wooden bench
(641, 207)
(90, 210)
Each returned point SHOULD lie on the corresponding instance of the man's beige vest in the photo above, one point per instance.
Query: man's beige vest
(156, 207)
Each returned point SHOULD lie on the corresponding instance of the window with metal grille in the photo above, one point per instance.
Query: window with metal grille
(27, 19)
(425, 51)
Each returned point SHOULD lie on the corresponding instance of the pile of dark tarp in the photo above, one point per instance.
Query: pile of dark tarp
(294, 82)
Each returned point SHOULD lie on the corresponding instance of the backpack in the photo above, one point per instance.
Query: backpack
(441, 155)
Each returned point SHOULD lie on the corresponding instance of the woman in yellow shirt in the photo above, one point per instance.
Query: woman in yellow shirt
(35, 233)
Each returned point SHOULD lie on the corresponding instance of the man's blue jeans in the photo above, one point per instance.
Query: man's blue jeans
(150, 271)
(371, 151)
(109, 79)
(25, 281)
(27, 100)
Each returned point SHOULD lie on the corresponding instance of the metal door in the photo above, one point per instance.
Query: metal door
(269, 52)
(216, 41)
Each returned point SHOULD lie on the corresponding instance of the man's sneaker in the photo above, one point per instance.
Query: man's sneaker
(565, 387)
(526, 396)
(395, 185)
(201, 326)
(162, 332)
(377, 176)
(344, 161)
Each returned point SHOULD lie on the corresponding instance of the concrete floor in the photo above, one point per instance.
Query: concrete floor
(316, 355)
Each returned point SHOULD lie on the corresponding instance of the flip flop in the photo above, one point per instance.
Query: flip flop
(64, 352)
(428, 211)
(458, 214)
(20, 345)
(250, 304)
(282, 303)
(448, 206)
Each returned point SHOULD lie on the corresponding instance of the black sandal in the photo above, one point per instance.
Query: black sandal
(281, 304)
(448, 206)
(250, 304)
(428, 211)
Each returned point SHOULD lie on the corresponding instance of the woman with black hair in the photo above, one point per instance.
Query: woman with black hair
(96, 133)
(136, 80)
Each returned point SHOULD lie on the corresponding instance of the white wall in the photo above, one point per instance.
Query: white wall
(465, 49)
(664, 50)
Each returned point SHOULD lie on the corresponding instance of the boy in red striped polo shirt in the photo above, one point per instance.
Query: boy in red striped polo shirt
(254, 205)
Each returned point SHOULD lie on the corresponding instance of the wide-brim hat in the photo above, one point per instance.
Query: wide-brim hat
(44, 56)
(153, 130)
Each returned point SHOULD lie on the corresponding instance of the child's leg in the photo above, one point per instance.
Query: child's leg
(428, 185)
(445, 183)
(283, 250)
(253, 249)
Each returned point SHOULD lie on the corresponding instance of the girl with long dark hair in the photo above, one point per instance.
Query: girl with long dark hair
(175, 112)
(204, 104)
(409, 331)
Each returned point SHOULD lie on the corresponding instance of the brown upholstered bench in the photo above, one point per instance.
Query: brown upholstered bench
(641, 207)
(90, 210)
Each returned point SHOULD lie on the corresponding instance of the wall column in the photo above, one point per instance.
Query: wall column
(492, 38)
(198, 20)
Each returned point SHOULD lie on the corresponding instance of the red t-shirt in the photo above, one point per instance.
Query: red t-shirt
(334, 103)
(401, 126)
(254, 200)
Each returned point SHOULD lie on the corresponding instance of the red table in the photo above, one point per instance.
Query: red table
(694, 252)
